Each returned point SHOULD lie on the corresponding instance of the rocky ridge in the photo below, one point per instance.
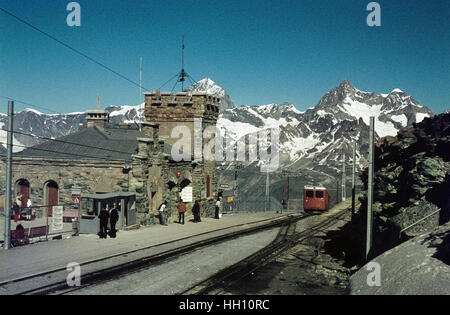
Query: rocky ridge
(412, 181)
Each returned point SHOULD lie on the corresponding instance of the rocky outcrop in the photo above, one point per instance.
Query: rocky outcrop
(412, 181)
(418, 266)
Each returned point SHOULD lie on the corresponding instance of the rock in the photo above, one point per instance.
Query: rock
(412, 179)
(414, 267)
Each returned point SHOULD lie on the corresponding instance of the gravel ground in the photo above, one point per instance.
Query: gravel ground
(179, 274)
(306, 269)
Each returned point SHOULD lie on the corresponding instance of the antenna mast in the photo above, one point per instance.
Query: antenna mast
(182, 74)
(140, 80)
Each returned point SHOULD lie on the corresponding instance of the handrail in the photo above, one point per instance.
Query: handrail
(419, 220)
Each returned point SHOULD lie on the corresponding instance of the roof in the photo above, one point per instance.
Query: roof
(315, 187)
(109, 195)
(89, 143)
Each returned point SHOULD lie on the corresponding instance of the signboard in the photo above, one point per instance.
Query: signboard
(57, 220)
(76, 191)
(186, 194)
(203, 193)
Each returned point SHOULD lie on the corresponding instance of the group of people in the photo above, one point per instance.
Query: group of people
(112, 216)
(20, 206)
(196, 210)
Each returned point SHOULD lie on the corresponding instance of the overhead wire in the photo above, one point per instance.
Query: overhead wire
(72, 48)
(29, 104)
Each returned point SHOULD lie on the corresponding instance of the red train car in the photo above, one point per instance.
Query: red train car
(315, 198)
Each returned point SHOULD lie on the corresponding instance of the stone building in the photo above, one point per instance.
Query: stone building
(104, 158)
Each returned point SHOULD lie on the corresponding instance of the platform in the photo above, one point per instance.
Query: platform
(40, 257)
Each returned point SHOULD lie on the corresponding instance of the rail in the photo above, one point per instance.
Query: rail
(53, 281)
(410, 226)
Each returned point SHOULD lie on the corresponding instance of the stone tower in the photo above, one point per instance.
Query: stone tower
(162, 176)
(169, 111)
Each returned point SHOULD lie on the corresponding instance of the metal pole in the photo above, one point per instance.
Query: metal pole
(287, 202)
(267, 190)
(9, 143)
(370, 186)
(343, 178)
(140, 81)
(353, 178)
(337, 191)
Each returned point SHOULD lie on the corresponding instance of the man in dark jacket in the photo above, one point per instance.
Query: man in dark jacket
(103, 216)
(113, 218)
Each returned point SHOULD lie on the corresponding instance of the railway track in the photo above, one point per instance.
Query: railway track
(54, 281)
(286, 238)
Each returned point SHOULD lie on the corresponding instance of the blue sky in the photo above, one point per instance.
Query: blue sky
(260, 51)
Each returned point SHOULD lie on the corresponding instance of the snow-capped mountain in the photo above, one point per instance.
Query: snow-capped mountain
(209, 86)
(33, 127)
(321, 136)
(315, 138)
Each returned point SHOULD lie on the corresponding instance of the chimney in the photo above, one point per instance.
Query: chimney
(97, 117)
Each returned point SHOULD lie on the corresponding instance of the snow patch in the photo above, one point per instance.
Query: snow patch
(400, 119)
(420, 117)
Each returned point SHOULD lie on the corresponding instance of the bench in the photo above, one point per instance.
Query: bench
(22, 236)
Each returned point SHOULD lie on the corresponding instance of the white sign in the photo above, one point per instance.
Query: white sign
(186, 194)
(57, 220)
(76, 191)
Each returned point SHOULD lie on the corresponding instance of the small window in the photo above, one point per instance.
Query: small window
(309, 194)
(319, 194)
(208, 186)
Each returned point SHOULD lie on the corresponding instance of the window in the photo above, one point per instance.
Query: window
(319, 194)
(208, 186)
(310, 194)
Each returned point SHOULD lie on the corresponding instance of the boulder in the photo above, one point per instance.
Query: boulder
(420, 266)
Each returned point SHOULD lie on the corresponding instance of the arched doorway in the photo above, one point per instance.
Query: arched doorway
(23, 187)
(51, 195)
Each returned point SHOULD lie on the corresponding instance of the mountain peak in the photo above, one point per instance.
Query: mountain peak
(346, 85)
(207, 85)
(397, 91)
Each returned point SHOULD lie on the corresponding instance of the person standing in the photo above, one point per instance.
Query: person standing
(196, 211)
(162, 209)
(181, 210)
(103, 216)
(28, 211)
(113, 218)
(217, 208)
(17, 207)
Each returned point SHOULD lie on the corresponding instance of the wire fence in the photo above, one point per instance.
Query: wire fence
(40, 223)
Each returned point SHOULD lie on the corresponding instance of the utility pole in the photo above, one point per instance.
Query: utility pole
(353, 178)
(337, 191)
(9, 143)
(343, 178)
(370, 186)
(288, 196)
(267, 190)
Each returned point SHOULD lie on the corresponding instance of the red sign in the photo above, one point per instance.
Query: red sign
(178, 174)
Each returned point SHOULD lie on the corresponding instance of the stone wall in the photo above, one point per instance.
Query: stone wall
(92, 176)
